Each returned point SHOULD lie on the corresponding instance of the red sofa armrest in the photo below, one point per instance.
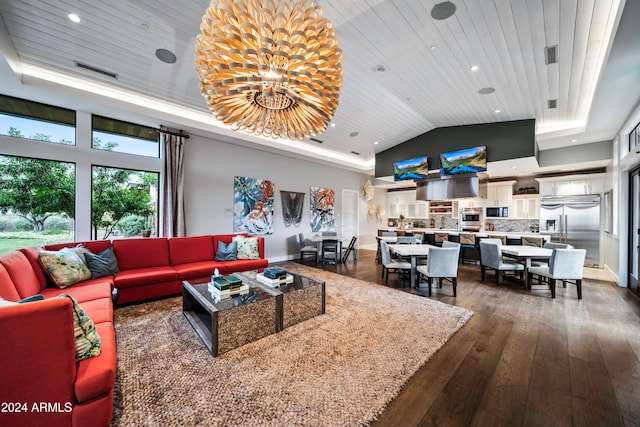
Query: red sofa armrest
(38, 360)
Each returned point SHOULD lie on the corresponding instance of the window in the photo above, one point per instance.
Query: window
(634, 138)
(37, 202)
(26, 119)
(124, 203)
(123, 137)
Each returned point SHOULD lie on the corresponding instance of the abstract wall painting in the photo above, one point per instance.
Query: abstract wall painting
(322, 209)
(252, 205)
(292, 203)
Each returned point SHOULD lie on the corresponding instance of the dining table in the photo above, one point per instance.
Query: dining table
(527, 254)
(415, 252)
(318, 239)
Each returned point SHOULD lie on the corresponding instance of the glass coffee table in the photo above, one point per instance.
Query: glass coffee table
(230, 323)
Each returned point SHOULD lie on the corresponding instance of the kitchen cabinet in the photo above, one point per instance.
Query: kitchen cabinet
(405, 203)
(441, 207)
(499, 194)
(572, 185)
(525, 207)
(470, 203)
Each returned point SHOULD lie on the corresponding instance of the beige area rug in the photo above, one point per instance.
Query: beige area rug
(338, 369)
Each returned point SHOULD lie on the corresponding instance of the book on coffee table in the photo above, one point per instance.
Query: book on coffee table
(274, 283)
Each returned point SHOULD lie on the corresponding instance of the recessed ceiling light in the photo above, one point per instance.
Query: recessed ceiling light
(443, 10)
(333, 125)
(353, 134)
(496, 111)
(574, 140)
(166, 56)
(514, 167)
(486, 90)
(474, 68)
(433, 47)
(380, 68)
(75, 18)
(375, 143)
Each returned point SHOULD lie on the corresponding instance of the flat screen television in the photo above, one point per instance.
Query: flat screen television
(411, 169)
(469, 160)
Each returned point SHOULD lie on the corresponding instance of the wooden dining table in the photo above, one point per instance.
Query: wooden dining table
(527, 254)
(415, 252)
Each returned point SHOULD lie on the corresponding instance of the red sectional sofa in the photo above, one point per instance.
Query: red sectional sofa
(38, 373)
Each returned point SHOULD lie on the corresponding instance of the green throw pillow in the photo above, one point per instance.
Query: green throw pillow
(226, 252)
(247, 247)
(87, 340)
(64, 267)
(102, 264)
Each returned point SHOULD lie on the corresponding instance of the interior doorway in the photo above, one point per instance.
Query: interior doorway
(350, 213)
(634, 227)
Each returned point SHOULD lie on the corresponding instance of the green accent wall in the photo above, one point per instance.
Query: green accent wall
(504, 141)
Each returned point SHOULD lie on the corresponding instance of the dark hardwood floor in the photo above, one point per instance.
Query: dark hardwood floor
(524, 359)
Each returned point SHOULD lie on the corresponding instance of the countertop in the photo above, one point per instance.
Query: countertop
(480, 233)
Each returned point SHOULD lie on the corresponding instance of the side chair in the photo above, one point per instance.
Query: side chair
(442, 263)
(491, 257)
(566, 265)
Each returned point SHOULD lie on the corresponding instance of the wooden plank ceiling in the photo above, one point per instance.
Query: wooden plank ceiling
(404, 72)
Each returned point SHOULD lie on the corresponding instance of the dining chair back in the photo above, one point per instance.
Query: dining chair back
(349, 249)
(390, 265)
(491, 257)
(442, 264)
(388, 233)
(406, 240)
(306, 250)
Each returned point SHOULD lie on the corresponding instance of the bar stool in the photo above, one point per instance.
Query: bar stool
(441, 237)
(468, 242)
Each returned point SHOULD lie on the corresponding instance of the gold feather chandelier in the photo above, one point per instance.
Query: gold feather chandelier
(270, 67)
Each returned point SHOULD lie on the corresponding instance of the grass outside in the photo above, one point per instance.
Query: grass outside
(10, 241)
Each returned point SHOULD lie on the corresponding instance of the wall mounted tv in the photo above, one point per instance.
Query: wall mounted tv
(411, 169)
(469, 160)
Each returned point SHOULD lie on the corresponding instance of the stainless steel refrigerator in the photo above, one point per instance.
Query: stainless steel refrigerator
(574, 220)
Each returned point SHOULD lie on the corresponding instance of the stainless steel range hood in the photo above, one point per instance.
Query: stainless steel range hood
(454, 187)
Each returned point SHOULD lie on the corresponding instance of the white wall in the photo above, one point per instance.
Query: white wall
(211, 165)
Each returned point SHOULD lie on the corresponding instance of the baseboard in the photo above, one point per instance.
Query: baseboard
(613, 274)
(284, 258)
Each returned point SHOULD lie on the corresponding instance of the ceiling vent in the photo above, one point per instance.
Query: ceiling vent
(96, 70)
(551, 54)
(316, 140)
(552, 103)
(355, 152)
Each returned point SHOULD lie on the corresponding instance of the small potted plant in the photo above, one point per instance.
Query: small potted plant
(401, 221)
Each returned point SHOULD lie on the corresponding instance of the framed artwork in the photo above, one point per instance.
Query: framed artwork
(252, 205)
(292, 203)
(322, 209)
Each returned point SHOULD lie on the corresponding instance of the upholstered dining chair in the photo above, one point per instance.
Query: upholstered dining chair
(491, 257)
(406, 240)
(442, 264)
(565, 265)
(550, 245)
(391, 265)
(383, 234)
(307, 250)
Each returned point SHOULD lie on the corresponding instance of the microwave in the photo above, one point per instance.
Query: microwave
(497, 213)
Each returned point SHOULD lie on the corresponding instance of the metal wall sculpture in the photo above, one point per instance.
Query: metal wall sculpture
(322, 209)
(292, 203)
(252, 206)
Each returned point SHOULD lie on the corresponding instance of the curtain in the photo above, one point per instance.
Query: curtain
(173, 224)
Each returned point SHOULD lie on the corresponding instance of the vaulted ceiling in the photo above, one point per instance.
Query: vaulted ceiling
(404, 72)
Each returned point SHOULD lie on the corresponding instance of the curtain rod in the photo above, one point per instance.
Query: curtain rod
(179, 133)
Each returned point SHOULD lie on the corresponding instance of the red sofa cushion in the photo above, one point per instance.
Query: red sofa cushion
(141, 253)
(7, 289)
(31, 253)
(22, 274)
(145, 276)
(96, 375)
(84, 291)
(196, 269)
(184, 250)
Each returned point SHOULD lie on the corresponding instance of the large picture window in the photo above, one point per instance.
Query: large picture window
(31, 120)
(124, 203)
(37, 202)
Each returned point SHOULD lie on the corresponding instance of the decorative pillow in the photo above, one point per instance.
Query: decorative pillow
(78, 250)
(87, 340)
(64, 267)
(247, 247)
(102, 264)
(226, 252)
(5, 303)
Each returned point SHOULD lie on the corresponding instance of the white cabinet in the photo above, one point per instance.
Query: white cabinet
(499, 194)
(572, 185)
(525, 207)
(405, 203)
(470, 203)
